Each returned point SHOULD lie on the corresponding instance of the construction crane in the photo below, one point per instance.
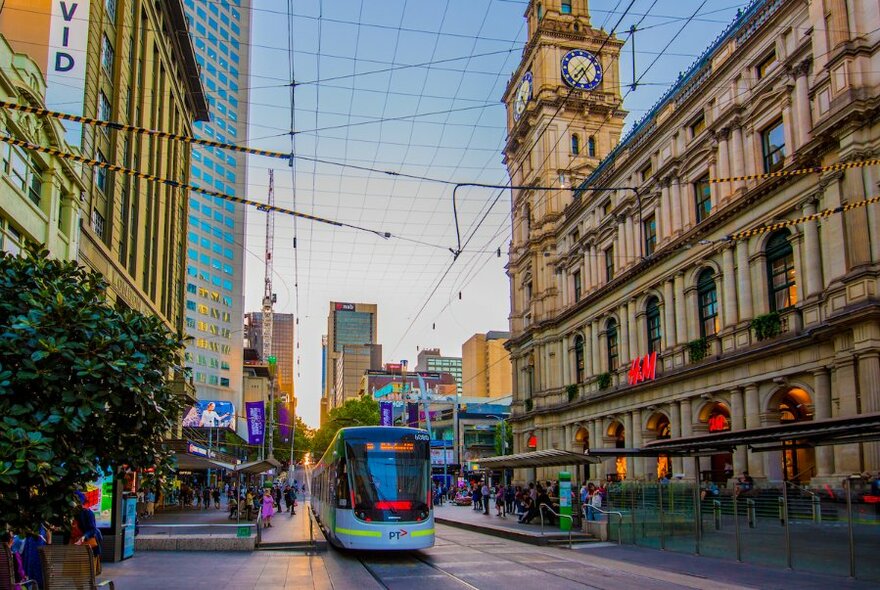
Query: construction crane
(268, 301)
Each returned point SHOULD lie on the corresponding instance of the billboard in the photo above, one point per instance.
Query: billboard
(386, 413)
(99, 499)
(210, 414)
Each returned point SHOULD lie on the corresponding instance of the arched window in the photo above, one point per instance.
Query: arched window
(654, 332)
(579, 359)
(611, 334)
(780, 272)
(708, 304)
(591, 147)
(575, 144)
(540, 12)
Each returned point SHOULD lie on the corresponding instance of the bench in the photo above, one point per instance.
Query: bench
(70, 566)
(7, 571)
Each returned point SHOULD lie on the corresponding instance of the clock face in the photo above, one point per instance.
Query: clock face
(523, 96)
(581, 69)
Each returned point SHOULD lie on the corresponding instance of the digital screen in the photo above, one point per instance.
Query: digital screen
(391, 447)
(99, 499)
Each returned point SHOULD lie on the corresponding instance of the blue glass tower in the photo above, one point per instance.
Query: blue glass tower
(216, 229)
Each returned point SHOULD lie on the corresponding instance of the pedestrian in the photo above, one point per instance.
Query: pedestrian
(249, 504)
(509, 497)
(197, 493)
(476, 496)
(293, 501)
(594, 506)
(530, 510)
(30, 555)
(499, 501)
(206, 497)
(484, 492)
(84, 530)
(216, 494)
(268, 508)
(150, 497)
(285, 496)
(19, 576)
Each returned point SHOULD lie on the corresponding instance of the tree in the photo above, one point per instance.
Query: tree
(83, 387)
(505, 427)
(354, 412)
(302, 436)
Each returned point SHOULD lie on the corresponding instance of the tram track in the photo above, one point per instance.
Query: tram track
(406, 581)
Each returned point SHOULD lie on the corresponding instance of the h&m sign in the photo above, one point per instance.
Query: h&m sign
(643, 368)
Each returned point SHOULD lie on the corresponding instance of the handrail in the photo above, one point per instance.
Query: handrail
(541, 509)
(801, 488)
(608, 512)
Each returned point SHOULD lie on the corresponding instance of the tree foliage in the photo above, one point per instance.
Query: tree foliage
(503, 429)
(302, 436)
(83, 386)
(354, 412)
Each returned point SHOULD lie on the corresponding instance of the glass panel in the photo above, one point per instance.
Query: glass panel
(389, 479)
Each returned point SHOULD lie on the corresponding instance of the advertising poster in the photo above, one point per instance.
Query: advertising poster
(210, 414)
(99, 499)
(285, 420)
(412, 415)
(256, 418)
(130, 514)
(437, 457)
(386, 414)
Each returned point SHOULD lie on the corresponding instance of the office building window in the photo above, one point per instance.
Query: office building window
(23, 171)
(566, 7)
(780, 272)
(773, 147)
(575, 144)
(653, 320)
(609, 263)
(650, 230)
(611, 336)
(591, 147)
(708, 304)
(764, 66)
(107, 55)
(698, 125)
(577, 285)
(703, 196)
(579, 359)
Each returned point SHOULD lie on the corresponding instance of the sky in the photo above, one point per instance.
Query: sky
(411, 87)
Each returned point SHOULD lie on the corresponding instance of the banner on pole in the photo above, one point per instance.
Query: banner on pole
(386, 414)
(412, 415)
(256, 418)
(285, 421)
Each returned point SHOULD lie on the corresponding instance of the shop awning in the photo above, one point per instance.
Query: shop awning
(189, 462)
(193, 456)
(257, 467)
(546, 458)
(814, 433)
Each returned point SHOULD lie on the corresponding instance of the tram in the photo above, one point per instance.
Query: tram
(371, 489)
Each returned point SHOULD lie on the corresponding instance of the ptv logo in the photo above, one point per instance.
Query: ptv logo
(397, 535)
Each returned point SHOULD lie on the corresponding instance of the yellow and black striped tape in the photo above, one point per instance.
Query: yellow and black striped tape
(173, 183)
(741, 235)
(274, 154)
(142, 130)
(799, 171)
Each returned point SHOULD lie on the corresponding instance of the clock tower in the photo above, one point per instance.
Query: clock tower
(563, 117)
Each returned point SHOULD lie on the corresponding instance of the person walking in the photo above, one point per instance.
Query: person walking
(475, 496)
(484, 492)
(151, 502)
(268, 509)
(293, 501)
(216, 495)
(206, 497)
(509, 496)
(84, 530)
(595, 503)
(499, 500)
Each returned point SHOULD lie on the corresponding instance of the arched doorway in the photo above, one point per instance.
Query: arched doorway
(659, 425)
(716, 417)
(617, 433)
(582, 443)
(795, 405)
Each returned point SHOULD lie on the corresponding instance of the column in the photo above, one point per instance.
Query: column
(597, 436)
(589, 367)
(686, 215)
(753, 420)
(628, 442)
(638, 462)
(687, 429)
(594, 268)
(685, 197)
(664, 215)
(802, 103)
(623, 334)
(642, 331)
(858, 240)
(737, 422)
(669, 340)
(869, 391)
(749, 151)
(822, 409)
(594, 348)
(833, 235)
(738, 157)
(692, 318)
(728, 278)
(675, 427)
(812, 278)
(632, 245)
(566, 443)
(723, 165)
(676, 211)
(788, 124)
(587, 281)
(743, 280)
(681, 314)
(713, 186)
(633, 330)
(621, 252)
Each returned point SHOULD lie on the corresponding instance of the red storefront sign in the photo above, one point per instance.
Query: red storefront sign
(643, 369)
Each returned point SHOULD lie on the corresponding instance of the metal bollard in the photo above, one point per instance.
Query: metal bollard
(716, 513)
(781, 511)
(752, 513)
(817, 508)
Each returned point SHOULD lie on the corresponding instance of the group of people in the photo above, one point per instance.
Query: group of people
(250, 502)
(525, 501)
(200, 497)
(26, 565)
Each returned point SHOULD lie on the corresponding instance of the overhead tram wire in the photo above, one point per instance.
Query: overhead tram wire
(501, 192)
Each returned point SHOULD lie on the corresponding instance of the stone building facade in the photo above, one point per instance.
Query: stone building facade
(776, 327)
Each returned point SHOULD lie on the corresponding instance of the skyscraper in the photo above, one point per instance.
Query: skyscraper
(352, 325)
(432, 361)
(215, 240)
(485, 365)
(282, 345)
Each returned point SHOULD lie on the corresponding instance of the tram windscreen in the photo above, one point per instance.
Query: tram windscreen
(389, 479)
